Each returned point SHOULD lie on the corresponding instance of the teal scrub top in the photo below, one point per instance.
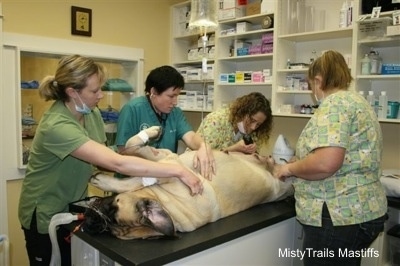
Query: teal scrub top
(138, 114)
(53, 177)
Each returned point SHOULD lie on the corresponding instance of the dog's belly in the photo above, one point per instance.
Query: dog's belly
(238, 185)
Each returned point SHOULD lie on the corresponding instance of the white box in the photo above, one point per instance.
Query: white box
(200, 101)
(182, 99)
(210, 103)
(193, 54)
(267, 6)
(191, 99)
(211, 52)
(211, 39)
(194, 74)
(183, 71)
(243, 27)
(230, 13)
(210, 72)
(393, 30)
(225, 4)
(210, 90)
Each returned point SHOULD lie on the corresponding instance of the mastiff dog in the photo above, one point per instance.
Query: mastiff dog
(153, 208)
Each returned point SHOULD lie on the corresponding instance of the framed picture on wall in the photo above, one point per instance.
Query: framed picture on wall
(81, 21)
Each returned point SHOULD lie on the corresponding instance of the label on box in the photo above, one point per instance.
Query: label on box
(239, 77)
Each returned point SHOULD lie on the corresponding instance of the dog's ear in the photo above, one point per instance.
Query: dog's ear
(155, 217)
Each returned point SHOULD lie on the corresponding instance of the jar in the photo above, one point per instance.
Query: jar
(366, 65)
(376, 62)
(393, 109)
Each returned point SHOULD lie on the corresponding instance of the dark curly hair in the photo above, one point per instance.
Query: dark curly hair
(247, 106)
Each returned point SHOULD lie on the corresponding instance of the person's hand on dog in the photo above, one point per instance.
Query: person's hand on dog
(204, 159)
(192, 181)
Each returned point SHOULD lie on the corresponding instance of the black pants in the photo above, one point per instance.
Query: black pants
(38, 245)
(335, 245)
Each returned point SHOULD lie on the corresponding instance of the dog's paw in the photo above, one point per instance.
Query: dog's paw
(153, 132)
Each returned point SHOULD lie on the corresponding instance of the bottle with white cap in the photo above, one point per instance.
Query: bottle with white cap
(372, 101)
(383, 105)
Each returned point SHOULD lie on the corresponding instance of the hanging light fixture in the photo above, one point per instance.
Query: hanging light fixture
(203, 16)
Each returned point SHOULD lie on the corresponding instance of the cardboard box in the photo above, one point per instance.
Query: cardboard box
(231, 13)
(253, 8)
(243, 26)
(191, 99)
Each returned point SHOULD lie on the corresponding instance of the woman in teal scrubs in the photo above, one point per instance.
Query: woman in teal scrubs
(158, 108)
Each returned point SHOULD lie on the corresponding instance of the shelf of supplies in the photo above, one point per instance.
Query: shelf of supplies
(381, 77)
(319, 35)
(253, 19)
(298, 70)
(253, 57)
(191, 36)
(246, 84)
(294, 91)
(381, 42)
(192, 62)
(246, 35)
(199, 81)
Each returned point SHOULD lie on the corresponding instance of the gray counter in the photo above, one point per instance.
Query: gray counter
(163, 251)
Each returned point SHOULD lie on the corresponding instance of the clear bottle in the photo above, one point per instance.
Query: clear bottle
(362, 94)
(383, 105)
(366, 65)
(372, 101)
(343, 15)
(376, 62)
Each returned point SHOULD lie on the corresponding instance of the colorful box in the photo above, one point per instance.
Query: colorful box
(266, 48)
(390, 69)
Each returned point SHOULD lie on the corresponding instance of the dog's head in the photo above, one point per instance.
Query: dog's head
(129, 217)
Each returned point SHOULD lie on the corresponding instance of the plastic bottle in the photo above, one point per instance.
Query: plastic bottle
(350, 14)
(383, 105)
(362, 94)
(366, 65)
(372, 101)
(343, 15)
(376, 62)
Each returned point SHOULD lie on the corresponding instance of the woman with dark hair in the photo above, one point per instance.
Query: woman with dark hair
(158, 108)
(243, 126)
